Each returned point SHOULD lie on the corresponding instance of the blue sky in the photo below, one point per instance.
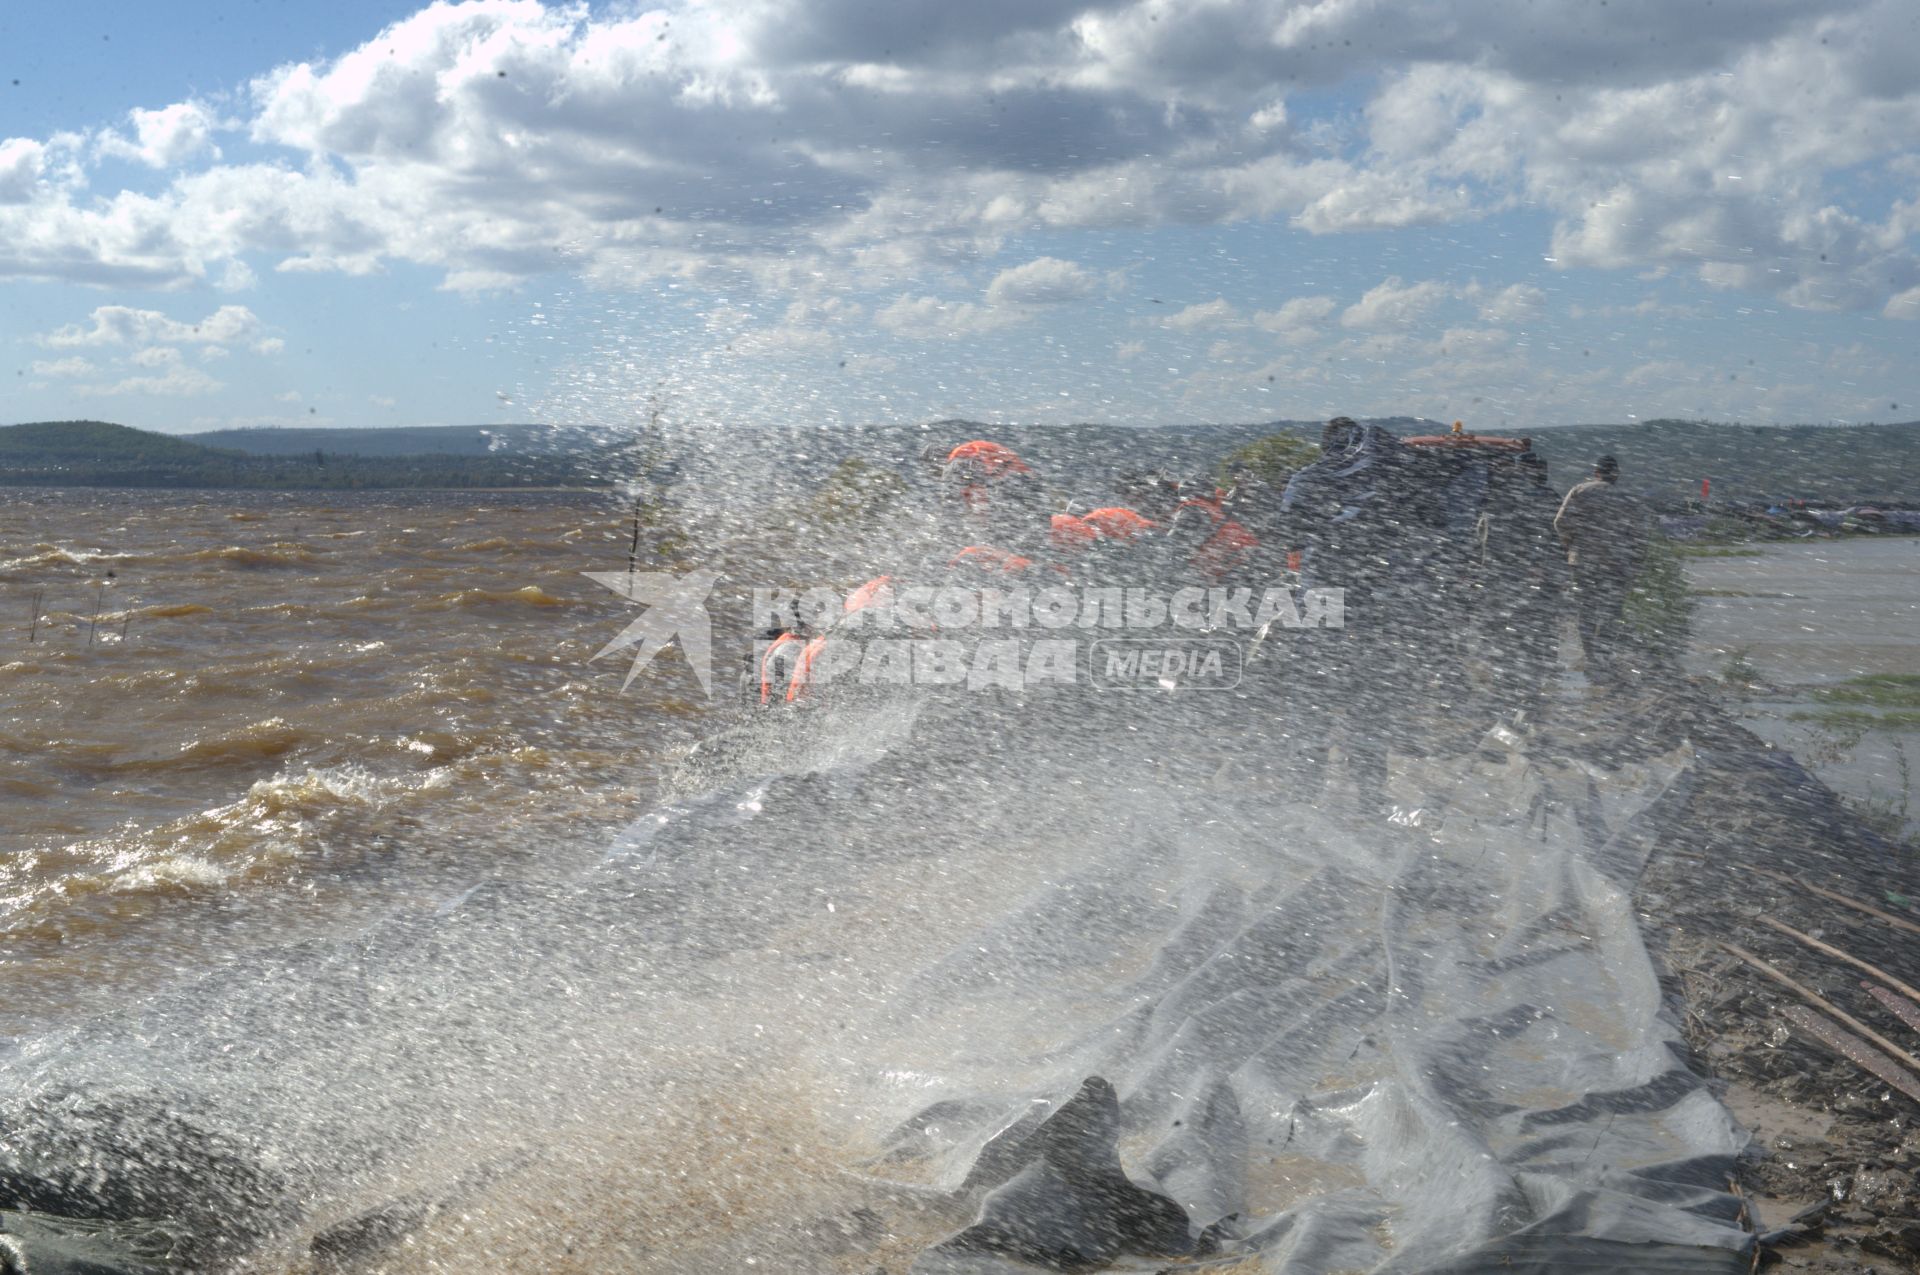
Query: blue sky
(1138, 211)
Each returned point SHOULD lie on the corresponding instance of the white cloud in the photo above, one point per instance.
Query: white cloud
(1394, 305)
(931, 319)
(1517, 303)
(1043, 281)
(177, 381)
(1298, 321)
(165, 138)
(75, 366)
(1217, 313)
(155, 356)
(124, 325)
(22, 161)
(781, 140)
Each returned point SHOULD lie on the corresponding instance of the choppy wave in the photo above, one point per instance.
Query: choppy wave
(261, 741)
(279, 555)
(280, 822)
(51, 555)
(529, 595)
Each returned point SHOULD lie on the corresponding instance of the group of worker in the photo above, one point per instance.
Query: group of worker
(1441, 553)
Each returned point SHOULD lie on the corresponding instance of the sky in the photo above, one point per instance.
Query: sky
(1513, 212)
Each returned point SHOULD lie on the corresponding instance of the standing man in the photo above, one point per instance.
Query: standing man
(1605, 532)
(1523, 571)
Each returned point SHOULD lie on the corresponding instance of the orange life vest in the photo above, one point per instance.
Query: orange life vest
(766, 664)
(1229, 544)
(879, 589)
(1069, 532)
(799, 683)
(1116, 522)
(987, 558)
(995, 459)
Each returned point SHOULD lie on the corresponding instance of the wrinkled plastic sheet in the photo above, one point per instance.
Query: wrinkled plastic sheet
(1436, 1044)
(1437, 1047)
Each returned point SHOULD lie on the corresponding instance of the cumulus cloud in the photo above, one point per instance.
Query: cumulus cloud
(125, 325)
(155, 356)
(1217, 313)
(1043, 281)
(1299, 320)
(178, 381)
(164, 138)
(22, 161)
(1393, 304)
(75, 366)
(932, 319)
(1516, 303)
(773, 141)
(147, 350)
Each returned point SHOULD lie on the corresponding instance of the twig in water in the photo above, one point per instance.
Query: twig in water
(1835, 952)
(99, 596)
(1814, 998)
(33, 630)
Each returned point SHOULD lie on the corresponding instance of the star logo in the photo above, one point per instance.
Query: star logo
(676, 611)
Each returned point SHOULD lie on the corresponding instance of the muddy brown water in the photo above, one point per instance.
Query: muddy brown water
(256, 718)
(1811, 613)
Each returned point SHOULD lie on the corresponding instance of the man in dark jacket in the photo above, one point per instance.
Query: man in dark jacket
(1605, 532)
(1523, 570)
(1352, 514)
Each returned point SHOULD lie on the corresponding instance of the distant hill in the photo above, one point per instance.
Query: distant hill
(1868, 464)
(399, 440)
(1829, 464)
(100, 454)
(92, 442)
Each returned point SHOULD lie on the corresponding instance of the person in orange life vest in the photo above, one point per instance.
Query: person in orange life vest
(1154, 496)
(1069, 533)
(796, 656)
(779, 645)
(989, 559)
(1117, 522)
(1204, 540)
(777, 662)
(800, 683)
(875, 592)
(996, 491)
(1123, 548)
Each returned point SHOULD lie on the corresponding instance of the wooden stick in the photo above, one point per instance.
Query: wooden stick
(1833, 951)
(1899, 1006)
(1854, 1050)
(1837, 897)
(1814, 998)
(33, 630)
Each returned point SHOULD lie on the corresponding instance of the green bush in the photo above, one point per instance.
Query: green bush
(1273, 459)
